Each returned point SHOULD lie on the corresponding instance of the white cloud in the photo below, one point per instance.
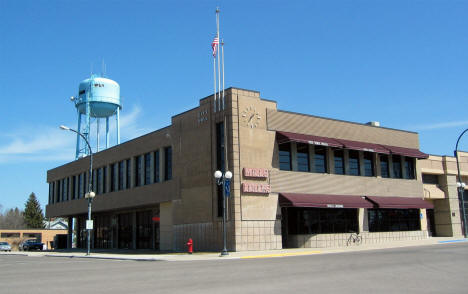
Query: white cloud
(46, 143)
(441, 125)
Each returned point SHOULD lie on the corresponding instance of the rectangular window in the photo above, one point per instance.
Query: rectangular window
(322, 220)
(430, 179)
(409, 168)
(167, 163)
(384, 171)
(85, 184)
(285, 156)
(353, 160)
(59, 191)
(51, 193)
(95, 181)
(112, 177)
(219, 164)
(147, 168)
(368, 164)
(10, 235)
(392, 220)
(320, 159)
(396, 162)
(121, 176)
(129, 174)
(156, 166)
(303, 157)
(80, 186)
(73, 188)
(104, 179)
(138, 170)
(339, 162)
(99, 181)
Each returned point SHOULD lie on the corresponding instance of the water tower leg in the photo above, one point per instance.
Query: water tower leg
(78, 138)
(97, 130)
(107, 132)
(118, 125)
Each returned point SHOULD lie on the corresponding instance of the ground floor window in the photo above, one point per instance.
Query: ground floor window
(144, 229)
(125, 231)
(102, 231)
(391, 220)
(321, 220)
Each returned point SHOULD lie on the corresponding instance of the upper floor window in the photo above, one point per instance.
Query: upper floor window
(121, 175)
(128, 173)
(220, 146)
(353, 161)
(285, 156)
(320, 159)
(112, 177)
(430, 179)
(99, 181)
(368, 164)
(147, 168)
(384, 172)
(339, 162)
(167, 163)
(156, 166)
(73, 187)
(396, 162)
(409, 168)
(138, 170)
(303, 157)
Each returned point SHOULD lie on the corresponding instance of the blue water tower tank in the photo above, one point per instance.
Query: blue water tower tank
(98, 97)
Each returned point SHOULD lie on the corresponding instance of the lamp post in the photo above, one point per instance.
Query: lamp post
(224, 180)
(461, 188)
(90, 194)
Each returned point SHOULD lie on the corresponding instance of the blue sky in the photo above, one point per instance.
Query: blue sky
(403, 63)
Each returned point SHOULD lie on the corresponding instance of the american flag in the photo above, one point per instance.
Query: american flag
(214, 45)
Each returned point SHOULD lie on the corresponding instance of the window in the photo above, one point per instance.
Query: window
(391, 220)
(368, 164)
(320, 159)
(59, 191)
(430, 179)
(156, 167)
(128, 174)
(112, 177)
(51, 193)
(95, 181)
(302, 157)
(354, 166)
(409, 168)
(138, 170)
(285, 156)
(339, 162)
(144, 228)
(396, 161)
(99, 181)
(121, 176)
(147, 168)
(85, 182)
(322, 220)
(167, 163)
(384, 172)
(80, 186)
(220, 146)
(10, 235)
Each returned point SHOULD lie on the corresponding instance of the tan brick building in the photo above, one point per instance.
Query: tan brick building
(298, 181)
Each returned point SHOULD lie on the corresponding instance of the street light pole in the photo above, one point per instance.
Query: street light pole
(224, 180)
(461, 188)
(90, 194)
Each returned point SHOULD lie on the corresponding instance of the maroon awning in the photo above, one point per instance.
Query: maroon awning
(409, 152)
(323, 201)
(363, 146)
(284, 137)
(400, 202)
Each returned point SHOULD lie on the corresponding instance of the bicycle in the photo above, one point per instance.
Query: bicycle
(354, 239)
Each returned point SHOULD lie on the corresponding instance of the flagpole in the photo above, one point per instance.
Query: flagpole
(214, 78)
(219, 69)
(222, 57)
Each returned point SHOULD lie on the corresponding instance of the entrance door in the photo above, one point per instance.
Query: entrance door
(430, 222)
(125, 231)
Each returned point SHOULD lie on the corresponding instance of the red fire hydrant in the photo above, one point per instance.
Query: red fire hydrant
(190, 246)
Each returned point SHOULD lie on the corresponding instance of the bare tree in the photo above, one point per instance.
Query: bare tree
(12, 219)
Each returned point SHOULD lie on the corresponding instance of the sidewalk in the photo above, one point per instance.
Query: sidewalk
(155, 256)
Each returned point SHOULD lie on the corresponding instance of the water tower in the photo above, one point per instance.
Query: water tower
(98, 98)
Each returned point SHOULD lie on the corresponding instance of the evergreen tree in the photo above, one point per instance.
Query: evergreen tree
(33, 216)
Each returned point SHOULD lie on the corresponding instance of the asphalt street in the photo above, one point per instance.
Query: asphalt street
(427, 269)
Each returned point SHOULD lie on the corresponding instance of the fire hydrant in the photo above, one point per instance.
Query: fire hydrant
(190, 246)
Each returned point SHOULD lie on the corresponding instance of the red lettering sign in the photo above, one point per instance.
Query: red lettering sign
(256, 188)
(255, 172)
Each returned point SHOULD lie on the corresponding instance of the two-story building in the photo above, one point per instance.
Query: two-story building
(298, 181)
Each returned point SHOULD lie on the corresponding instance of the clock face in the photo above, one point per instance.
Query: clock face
(251, 117)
